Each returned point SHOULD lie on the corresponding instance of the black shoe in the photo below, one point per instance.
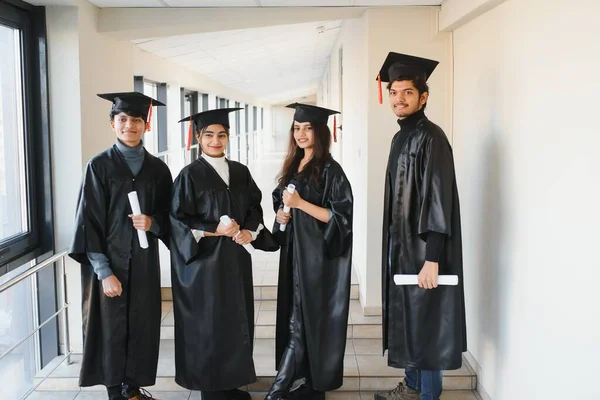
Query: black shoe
(216, 395)
(114, 393)
(237, 394)
(306, 392)
(275, 397)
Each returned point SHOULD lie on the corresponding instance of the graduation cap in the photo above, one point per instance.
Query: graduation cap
(134, 103)
(397, 65)
(219, 116)
(314, 114)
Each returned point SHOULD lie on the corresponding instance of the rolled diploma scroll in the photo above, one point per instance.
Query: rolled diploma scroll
(135, 208)
(290, 188)
(401, 279)
(227, 221)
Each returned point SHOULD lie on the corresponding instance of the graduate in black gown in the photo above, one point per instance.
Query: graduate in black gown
(313, 295)
(213, 293)
(424, 326)
(120, 280)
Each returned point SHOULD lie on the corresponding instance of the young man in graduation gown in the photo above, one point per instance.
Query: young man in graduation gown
(120, 280)
(213, 295)
(424, 327)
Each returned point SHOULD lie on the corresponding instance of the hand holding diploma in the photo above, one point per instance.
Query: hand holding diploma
(399, 279)
(225, 220)
(290, 190)
(141, 222)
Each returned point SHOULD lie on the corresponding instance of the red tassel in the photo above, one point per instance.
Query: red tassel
(379, 90)
(149, 119)
(189, 138)
(334, 129)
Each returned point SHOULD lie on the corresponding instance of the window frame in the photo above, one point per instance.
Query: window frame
(22, 248)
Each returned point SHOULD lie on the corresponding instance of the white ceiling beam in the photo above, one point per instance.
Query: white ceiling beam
(160, 22)
(455, 13)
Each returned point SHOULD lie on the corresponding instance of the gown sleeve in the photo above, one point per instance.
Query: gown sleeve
(184, 217)
(436, 188)
(339, 201)
(90, 219)
(161, 211)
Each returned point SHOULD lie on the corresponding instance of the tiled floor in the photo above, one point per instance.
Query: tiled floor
(186, 395)
(364, 367)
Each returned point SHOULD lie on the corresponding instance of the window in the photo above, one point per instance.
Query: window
(25, 196)
(13, 179)
(236, 141)
(26, 228)
(189, 106)
(224, 103)
(155, 140)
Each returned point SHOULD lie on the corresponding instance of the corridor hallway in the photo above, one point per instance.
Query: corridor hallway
(365, 370)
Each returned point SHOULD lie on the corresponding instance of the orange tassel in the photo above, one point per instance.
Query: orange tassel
(334, 129)
(379, 90)
(149, 119)
(189, 138)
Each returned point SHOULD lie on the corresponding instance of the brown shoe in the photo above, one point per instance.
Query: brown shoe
(401, 392)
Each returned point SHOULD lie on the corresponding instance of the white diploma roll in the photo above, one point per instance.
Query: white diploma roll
(291, 189)
(399, 279)
(227, 221)
(134, 202)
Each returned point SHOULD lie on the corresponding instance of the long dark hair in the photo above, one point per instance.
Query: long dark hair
(314, 168)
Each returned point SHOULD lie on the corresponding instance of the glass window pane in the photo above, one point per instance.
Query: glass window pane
(17, 321)
(150, 137)
(13, 183)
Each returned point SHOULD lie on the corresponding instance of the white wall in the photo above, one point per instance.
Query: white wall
(281, 121)
(526, 145)
(368, 126)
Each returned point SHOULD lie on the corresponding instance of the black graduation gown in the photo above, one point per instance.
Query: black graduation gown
(322, 255)
(212, 279)
(422, 328)
(120, 334)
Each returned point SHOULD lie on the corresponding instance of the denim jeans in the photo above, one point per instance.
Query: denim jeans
(428, 383)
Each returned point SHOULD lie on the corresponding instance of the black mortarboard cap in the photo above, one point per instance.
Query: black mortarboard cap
(313, 114)
(218, 116)
(397, 65)
(132, 102)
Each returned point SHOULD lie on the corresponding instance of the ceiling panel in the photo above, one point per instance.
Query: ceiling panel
(128, 3)
(255, 61)
(305, 3)
(247, 3)
(375, 3)
(211, 3)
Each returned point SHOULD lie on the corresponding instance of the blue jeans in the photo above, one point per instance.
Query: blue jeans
(429, 383)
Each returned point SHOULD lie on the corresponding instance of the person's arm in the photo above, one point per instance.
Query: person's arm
(435, 246)
(293, 200)
(319, 213)
(100, 264)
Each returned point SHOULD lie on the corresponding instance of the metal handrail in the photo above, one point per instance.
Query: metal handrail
(60, 258)
(32, 270)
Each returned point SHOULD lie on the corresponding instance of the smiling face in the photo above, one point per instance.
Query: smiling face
(213, 140)
(128, 129)
(304, 135)
(405, 99)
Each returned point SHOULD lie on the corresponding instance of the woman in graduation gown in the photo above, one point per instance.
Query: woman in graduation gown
(211, 270)
(313, 294)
